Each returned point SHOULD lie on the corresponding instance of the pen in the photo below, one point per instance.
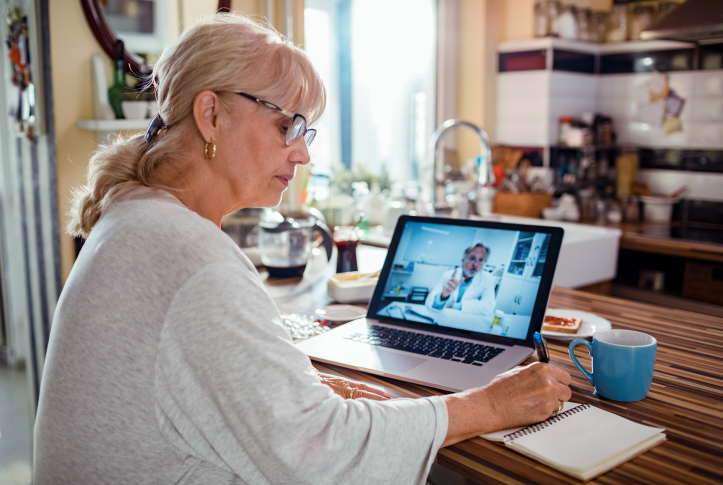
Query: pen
(544, 356)
(541, 347)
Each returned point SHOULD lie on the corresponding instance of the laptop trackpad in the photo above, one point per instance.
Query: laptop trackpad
(390, 361)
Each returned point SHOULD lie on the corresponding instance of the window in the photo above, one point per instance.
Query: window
(377, 59)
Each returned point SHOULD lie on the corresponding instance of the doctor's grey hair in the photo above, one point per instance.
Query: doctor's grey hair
(220, 53)
(472, 248)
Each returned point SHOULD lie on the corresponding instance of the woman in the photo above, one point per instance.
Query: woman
(167, 361)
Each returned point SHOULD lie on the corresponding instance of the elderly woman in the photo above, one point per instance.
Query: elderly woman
(167, 360)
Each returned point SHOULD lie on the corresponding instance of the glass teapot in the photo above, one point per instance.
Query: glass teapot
(286, 243)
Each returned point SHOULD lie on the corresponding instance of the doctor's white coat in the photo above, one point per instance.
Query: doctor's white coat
(478, 298)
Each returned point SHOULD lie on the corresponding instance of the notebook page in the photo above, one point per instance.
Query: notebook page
(585, 439)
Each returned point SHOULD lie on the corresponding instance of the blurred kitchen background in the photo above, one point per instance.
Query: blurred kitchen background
(603, 114)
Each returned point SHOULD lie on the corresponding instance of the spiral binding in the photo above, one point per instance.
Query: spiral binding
(540, 426)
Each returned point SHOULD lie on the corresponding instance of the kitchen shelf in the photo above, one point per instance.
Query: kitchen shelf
(591, 48)
(113, 125)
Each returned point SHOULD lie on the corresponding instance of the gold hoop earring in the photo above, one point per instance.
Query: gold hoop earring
(209, 153)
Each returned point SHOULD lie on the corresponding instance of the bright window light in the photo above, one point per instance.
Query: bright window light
(377, 58)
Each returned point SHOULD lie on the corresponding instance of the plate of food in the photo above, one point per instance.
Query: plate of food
(564, 324)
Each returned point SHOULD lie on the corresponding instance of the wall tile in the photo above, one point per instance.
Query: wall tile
(523, 133)
(705, 109)
(620, 85)
(571, 84)
(708, 83)
(683, 83)
(619, 109)
(571, 106)
(522, 108)
(705, 134)
(526, 84)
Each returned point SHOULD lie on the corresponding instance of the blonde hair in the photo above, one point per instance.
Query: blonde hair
(223, 52)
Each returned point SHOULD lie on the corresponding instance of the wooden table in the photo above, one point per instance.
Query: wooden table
(686, 399)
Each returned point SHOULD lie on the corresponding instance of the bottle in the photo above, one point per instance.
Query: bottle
(115, 93)
(497, 320)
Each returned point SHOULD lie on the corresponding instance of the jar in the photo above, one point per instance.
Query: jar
(598, 26)
(584, 16)
(618, 24)
(565, 125)
(546, 16)
(567, 23)
(642, 18)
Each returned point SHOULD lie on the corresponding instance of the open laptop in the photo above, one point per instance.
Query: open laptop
(498, 279)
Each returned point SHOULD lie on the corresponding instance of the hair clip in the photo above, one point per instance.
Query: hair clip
(154, 128)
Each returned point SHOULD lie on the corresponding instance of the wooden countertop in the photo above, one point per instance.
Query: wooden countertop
(686, 399)
(634, 238)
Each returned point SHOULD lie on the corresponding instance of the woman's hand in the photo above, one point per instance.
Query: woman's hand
(352, 390)
(516, 398)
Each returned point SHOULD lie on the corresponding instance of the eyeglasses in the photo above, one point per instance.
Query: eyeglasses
(297, 127)
(475, 260)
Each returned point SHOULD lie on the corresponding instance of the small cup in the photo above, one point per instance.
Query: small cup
(346, 240)
(135, 110)
(623, 363)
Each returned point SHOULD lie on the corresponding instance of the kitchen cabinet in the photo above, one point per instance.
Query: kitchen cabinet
(518, 288)
(528, 258)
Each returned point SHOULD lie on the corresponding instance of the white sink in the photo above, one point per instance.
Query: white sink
(589, 254)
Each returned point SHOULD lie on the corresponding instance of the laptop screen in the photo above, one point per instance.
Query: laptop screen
(473, 276)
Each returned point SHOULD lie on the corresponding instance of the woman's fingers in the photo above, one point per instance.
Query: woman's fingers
(369, 395)
(355, 390)
(369, 390)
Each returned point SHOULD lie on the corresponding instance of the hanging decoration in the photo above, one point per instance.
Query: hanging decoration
(23, 109)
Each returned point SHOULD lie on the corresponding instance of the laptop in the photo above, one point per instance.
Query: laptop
(457, 303)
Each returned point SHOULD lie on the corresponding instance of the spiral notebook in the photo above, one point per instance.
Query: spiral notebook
(582, 441)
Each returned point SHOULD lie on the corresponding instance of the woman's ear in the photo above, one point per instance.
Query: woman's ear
(206, 108)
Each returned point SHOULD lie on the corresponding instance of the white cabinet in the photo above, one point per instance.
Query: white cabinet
(529, 255)
(518, 288)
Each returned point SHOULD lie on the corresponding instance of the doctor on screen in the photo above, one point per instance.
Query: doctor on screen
(470, 289)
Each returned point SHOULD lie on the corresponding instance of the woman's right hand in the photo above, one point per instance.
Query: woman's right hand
(519, 397)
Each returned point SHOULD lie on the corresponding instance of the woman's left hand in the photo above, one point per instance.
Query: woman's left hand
(352, 390)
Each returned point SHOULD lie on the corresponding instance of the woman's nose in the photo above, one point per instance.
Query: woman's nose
(300, 154)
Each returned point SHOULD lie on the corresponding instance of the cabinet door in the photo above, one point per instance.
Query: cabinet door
(516, 295)
(536, 260)
(518, 263)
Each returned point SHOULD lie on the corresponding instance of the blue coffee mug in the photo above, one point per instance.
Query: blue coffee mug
(622, 361)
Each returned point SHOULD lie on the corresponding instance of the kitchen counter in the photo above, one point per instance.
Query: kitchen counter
(651, 237)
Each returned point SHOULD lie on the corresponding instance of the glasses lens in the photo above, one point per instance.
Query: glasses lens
(309, 136)
(296, 129)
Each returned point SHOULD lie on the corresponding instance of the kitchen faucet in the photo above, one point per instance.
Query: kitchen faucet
(486, 175)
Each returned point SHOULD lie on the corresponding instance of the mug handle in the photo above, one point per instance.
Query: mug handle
(571, 350)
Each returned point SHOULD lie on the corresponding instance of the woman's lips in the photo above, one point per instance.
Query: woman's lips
(284, 179)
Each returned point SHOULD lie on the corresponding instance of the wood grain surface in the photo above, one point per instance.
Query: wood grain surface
(634, 238)
(686, 399)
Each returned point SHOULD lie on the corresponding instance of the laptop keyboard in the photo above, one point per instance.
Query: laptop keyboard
(429, 345)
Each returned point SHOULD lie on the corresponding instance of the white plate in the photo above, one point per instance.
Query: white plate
(591, 323)
(341, 313)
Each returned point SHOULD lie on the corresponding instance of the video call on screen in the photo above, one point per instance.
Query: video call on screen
(483, 280)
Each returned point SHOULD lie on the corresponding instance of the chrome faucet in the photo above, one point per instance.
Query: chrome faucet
(486, 175)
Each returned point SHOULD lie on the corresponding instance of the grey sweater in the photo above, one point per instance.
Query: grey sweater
(168, 363)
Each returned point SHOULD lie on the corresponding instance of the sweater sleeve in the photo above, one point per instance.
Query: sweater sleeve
(231, 389)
